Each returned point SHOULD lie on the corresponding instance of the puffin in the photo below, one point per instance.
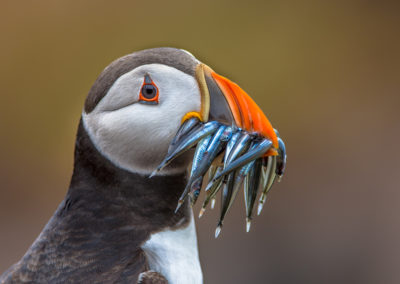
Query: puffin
(119, 221)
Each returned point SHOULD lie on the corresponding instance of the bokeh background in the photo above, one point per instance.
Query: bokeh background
(326, 73)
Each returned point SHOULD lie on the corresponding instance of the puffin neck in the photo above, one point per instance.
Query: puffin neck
(150, 202)
(99, 228)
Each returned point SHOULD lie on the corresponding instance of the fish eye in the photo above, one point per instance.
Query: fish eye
(148, 92)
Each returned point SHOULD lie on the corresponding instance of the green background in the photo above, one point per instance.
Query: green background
(326, 73)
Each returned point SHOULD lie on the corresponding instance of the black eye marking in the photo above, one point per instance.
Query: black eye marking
(147, 79)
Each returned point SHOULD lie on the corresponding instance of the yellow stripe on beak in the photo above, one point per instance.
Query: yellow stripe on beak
(205, 95)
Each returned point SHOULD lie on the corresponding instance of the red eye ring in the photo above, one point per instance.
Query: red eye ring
(148, 92)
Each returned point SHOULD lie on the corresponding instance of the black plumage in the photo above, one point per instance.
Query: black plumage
(96, 232)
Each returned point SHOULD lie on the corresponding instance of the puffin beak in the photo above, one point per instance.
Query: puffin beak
(230, 155)
(224, 101)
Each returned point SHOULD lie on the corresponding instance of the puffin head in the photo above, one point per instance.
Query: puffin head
(139, 101)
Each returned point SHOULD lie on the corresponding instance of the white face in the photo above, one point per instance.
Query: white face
(136, 136)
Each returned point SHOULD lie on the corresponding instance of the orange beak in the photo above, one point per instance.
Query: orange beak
(226, 102)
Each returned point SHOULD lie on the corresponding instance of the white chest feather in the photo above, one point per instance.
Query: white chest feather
(174, 254)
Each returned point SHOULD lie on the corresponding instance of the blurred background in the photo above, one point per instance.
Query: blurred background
(326, 73)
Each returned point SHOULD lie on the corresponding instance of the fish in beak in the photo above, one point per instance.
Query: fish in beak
(235, 143)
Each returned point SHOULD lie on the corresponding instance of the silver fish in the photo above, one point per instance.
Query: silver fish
(226, 200)
(199, 153)
(204, 160)
(197, 158)
(220, 138)
(240, 147)
(196, 192)
(214, 147)
(212, 170)
(215, 167)
(187, 143)
(236, 134)
(212, 192)
(216, 164)
(239, 177)
(251, 185)
(281, 159)
(229, 158)
(187, 126)
(253, 154)
(235, 137)
(241, 141)
(277, 133)
(268, 179)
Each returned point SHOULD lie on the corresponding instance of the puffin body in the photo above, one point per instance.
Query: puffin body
(116, 224)
(97, 233)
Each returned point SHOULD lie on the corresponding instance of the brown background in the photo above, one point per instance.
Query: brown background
(327, 74)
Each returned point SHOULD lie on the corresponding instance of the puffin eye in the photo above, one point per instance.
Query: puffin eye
(148, 92)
